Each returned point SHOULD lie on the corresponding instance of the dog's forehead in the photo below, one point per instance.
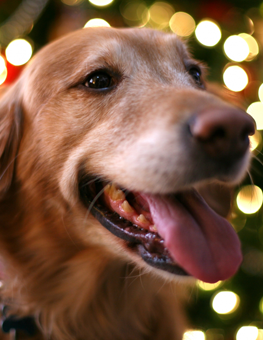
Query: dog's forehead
(91, 49)
(68, 61)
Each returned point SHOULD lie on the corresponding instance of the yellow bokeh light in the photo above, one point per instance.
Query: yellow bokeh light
(18, 52)
(236, 48)
(3, 70)
(2, 64)
(208, 286)
(194, 335)
(247, 333)
(182, 24)
(72, 2)
(135, 13)
(101, 3)
(225, 302)
(249, 199)
(261, 305)
(255, 140)
(252, 44)
(260, 93)
(235, 78)
(208, 33)
(256, 111)
(161, 13)
(97, 22)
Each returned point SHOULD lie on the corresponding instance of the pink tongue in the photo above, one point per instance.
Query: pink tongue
(198, 239)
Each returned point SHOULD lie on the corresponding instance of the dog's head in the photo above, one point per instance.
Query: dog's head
(119, 123)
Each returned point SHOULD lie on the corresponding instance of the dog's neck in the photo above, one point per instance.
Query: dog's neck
(63, 291)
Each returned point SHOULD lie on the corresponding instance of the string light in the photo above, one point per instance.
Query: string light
(260, 93)
(160, 14)
(97, 22)
(225, 302)
(101, 3)
(247, 333)
(261, 305)
(235, 78)
(3, 70)
(256, 111)
(71, 2)
(194, 335)
(249, 199)
(255, 140)
(208, 33)
(22, 20)
(135, 13)
(18, 52)
(236, 48)
(183, 24)
(252, 44)
(208, 286)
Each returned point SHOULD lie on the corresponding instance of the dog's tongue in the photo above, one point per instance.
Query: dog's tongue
(198, 239)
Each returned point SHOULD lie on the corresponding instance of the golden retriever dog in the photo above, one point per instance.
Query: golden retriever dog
(103, 140)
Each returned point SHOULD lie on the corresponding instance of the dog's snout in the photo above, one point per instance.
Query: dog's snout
(223, 132)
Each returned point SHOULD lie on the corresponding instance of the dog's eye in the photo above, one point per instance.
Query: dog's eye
(99, 80)
(196, 74)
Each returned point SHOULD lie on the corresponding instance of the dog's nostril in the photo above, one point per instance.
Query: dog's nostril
(219, 133)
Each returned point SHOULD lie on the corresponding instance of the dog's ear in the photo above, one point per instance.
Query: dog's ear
(10, 135)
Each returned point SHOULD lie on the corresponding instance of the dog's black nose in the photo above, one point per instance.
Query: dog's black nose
(223, 132)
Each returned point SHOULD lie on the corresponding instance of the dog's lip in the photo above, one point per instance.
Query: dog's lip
(192, 238)
(150, 246)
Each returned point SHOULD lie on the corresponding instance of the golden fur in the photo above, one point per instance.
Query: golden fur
(58, 263)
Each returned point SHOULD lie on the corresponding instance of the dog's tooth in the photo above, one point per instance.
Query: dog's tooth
(141, 218)
(153, 228)
(113, 188)
(107, 189)
(117, 195)
(126, 207)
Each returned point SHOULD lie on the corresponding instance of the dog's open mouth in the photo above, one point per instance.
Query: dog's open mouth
(177, 233)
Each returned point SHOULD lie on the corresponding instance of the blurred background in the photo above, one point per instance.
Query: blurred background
(228, 37)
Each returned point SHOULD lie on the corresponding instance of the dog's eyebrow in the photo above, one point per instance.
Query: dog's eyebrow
(104, 57)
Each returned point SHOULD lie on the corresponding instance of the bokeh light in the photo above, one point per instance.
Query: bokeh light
(252, 44)
(225, 302)
(247, 333)
(256, 111)
(160, 14)
(249, 199)
(255, 140)
(208, 286)
(194, 335)
(100, 3)
(72, 2)
(260, 93)
(235, 78)
(261, 305)
(97, 22)
(18, 52)
(135, 13)
(3, 70)
(208, 33)
(182, 24)
(236, 48)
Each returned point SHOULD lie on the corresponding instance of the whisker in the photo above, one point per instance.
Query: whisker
(93, 202)
(98, 178)
(257, 159)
